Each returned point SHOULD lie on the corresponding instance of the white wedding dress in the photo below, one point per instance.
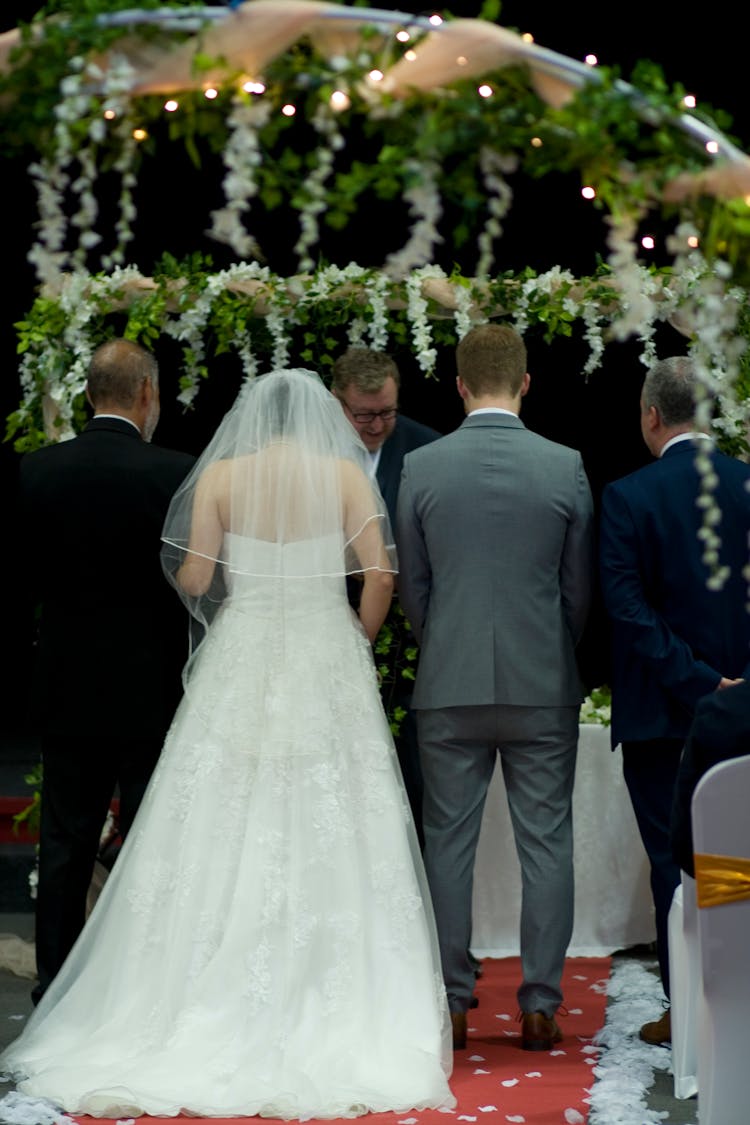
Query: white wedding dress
(265, 943)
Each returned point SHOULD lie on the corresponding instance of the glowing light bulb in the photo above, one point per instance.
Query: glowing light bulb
(288, 110)
(410, 56)
(139, 134)
(647, 242)
(588, 192)
(536, 142)
(693, 241)
(403, 36)
(211, 93)
(485, 91)
(109, 115)
(591, 60)
(253, 87)
(689, 101)
(436, 20)
(712, 146)
(171, 105)
(375, 76)
(462, 60)
(340, 100)
(527, 37)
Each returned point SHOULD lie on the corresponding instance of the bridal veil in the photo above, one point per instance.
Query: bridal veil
(285, 468)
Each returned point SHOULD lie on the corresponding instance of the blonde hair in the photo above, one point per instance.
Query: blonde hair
(364, 369)
(491, 358)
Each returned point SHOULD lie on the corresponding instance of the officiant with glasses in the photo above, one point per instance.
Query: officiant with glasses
(367, 382)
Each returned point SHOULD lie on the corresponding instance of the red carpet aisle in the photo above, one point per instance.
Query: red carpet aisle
(494, 1080)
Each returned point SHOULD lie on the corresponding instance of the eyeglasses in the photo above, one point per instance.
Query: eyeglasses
(366, 417)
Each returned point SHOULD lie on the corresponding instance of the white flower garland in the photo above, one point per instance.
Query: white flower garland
(48, 255)
(116, 103)
(377, 287)
(416, 311)
(55, 366)
(634, 283)
(494, 166)
(332, 141)
(464, 316)
(242, 157)
(426, 207)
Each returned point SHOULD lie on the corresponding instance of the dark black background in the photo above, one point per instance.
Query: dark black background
(549, 224)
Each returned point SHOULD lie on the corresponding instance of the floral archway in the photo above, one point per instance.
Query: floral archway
(316, 109)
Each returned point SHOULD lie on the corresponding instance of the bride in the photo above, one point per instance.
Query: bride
(265, 943)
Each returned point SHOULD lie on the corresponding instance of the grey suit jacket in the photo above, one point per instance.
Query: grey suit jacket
(495, 545)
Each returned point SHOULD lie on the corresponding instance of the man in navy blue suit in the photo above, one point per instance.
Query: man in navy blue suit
(676, 636)
(367, 382)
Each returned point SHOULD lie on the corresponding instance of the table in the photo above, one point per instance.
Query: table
(613, 904)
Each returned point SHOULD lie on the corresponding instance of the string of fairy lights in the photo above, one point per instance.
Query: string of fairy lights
(406, 28)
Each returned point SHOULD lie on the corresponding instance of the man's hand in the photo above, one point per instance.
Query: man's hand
(725, 683)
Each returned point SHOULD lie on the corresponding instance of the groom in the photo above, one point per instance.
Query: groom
(366, 383)
(494, 537)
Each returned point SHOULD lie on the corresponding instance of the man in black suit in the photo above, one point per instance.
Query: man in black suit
(366, 382)
(112, 633)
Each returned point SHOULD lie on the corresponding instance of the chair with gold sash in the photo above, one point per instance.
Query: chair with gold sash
(721, 839)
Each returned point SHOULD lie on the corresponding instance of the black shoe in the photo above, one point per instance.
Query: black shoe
(458, 1019)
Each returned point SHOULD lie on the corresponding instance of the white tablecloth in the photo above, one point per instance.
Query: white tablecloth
(613, 905)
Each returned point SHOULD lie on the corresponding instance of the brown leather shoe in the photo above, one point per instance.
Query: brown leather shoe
(539, 1032)
(458, 1019)
(658, 1033)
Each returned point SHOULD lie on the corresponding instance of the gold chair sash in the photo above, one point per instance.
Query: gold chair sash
(721, 879)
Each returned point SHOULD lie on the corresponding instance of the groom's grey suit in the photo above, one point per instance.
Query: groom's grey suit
(495, 547)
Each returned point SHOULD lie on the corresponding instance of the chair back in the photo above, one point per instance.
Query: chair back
(721, 827)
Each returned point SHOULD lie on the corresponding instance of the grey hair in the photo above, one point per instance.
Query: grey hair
(116, 372)
(672, 387)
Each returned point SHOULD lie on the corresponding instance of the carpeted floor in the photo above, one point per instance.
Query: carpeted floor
(616, 1081)
(493, 1079)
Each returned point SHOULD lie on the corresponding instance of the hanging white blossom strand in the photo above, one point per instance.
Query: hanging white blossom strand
(315, 202)
(242, 157)
(494, 166)
(425, 205)
(634, 283)
(416, 311)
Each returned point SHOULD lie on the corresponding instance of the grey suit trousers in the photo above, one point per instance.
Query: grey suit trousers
(537, 749)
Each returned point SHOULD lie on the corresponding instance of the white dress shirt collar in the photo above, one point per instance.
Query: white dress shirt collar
(374, 461)
(682, 437)
(491, 410)
(119, 418)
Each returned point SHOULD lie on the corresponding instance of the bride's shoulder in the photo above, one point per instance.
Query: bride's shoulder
(352, 475)
(219, 470)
